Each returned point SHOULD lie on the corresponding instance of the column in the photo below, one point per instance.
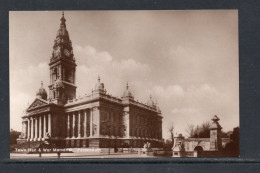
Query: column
(32, 129)
(51, 76)
(73, 126)
(44, 126)
(79, 125)
(28, 130)
(91, 122)
(49, 124)
(74, 78)
(63, 73)
(40, 127)
(36, 128)
(60, 73)
(68, 127)
(26, 126)
(23, 129)
(85, 123)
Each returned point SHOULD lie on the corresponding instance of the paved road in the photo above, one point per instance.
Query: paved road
(77, 155)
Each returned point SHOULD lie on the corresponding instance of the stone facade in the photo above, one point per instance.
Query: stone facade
(95, 120)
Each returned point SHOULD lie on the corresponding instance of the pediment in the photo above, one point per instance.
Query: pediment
(37, 103)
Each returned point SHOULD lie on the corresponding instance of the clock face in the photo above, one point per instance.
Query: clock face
(56, 52)
(67, 53)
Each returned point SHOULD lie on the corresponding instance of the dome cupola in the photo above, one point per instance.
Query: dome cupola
(41, 93)
(99, 87)
(150, 102)
(127, 93)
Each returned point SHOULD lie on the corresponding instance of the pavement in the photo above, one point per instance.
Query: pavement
(76, 155)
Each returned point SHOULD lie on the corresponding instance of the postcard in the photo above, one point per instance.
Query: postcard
(124, 84)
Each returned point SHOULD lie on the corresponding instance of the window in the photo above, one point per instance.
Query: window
(55, 74)
(68, 75)
(108, 129)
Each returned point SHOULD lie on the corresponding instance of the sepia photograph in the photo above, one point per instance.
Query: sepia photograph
(124, 84)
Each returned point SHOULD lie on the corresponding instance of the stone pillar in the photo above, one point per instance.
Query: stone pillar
(126, 121)
(74, 78)
(44, 126)
(40, 127)
(96, 121)
(36, 128)
(49, 124)
(60, 71)
(79, 125)
(73, 125)
(68, 127)
(91, 122)
(28, 130)
(23, 129)
(32, 129)
(85, 123)
(215, 134)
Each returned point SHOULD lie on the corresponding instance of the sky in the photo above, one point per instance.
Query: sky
(186, 60)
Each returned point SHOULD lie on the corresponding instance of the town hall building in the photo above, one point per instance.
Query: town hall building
(95, 120)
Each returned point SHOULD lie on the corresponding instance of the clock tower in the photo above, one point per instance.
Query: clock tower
(62, 67)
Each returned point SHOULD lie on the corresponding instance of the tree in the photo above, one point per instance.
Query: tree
(232, 148)
(201, 131)
(190, 130)
(13, 136)
(171, 131)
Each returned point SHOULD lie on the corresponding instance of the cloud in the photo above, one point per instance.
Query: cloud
(90, 56)
(23, 86)
(189, 105)
(114, 73)
(180, 104)
(169, 91)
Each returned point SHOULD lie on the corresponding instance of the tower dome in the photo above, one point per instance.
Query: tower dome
(41, 93)
(127, 93)
(150, 102)
(62, 30)
(99, 87)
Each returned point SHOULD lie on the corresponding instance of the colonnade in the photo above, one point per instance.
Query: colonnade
(78, 120)
(38, 126)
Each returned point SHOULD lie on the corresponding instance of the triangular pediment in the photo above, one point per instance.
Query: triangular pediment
(37, 103)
